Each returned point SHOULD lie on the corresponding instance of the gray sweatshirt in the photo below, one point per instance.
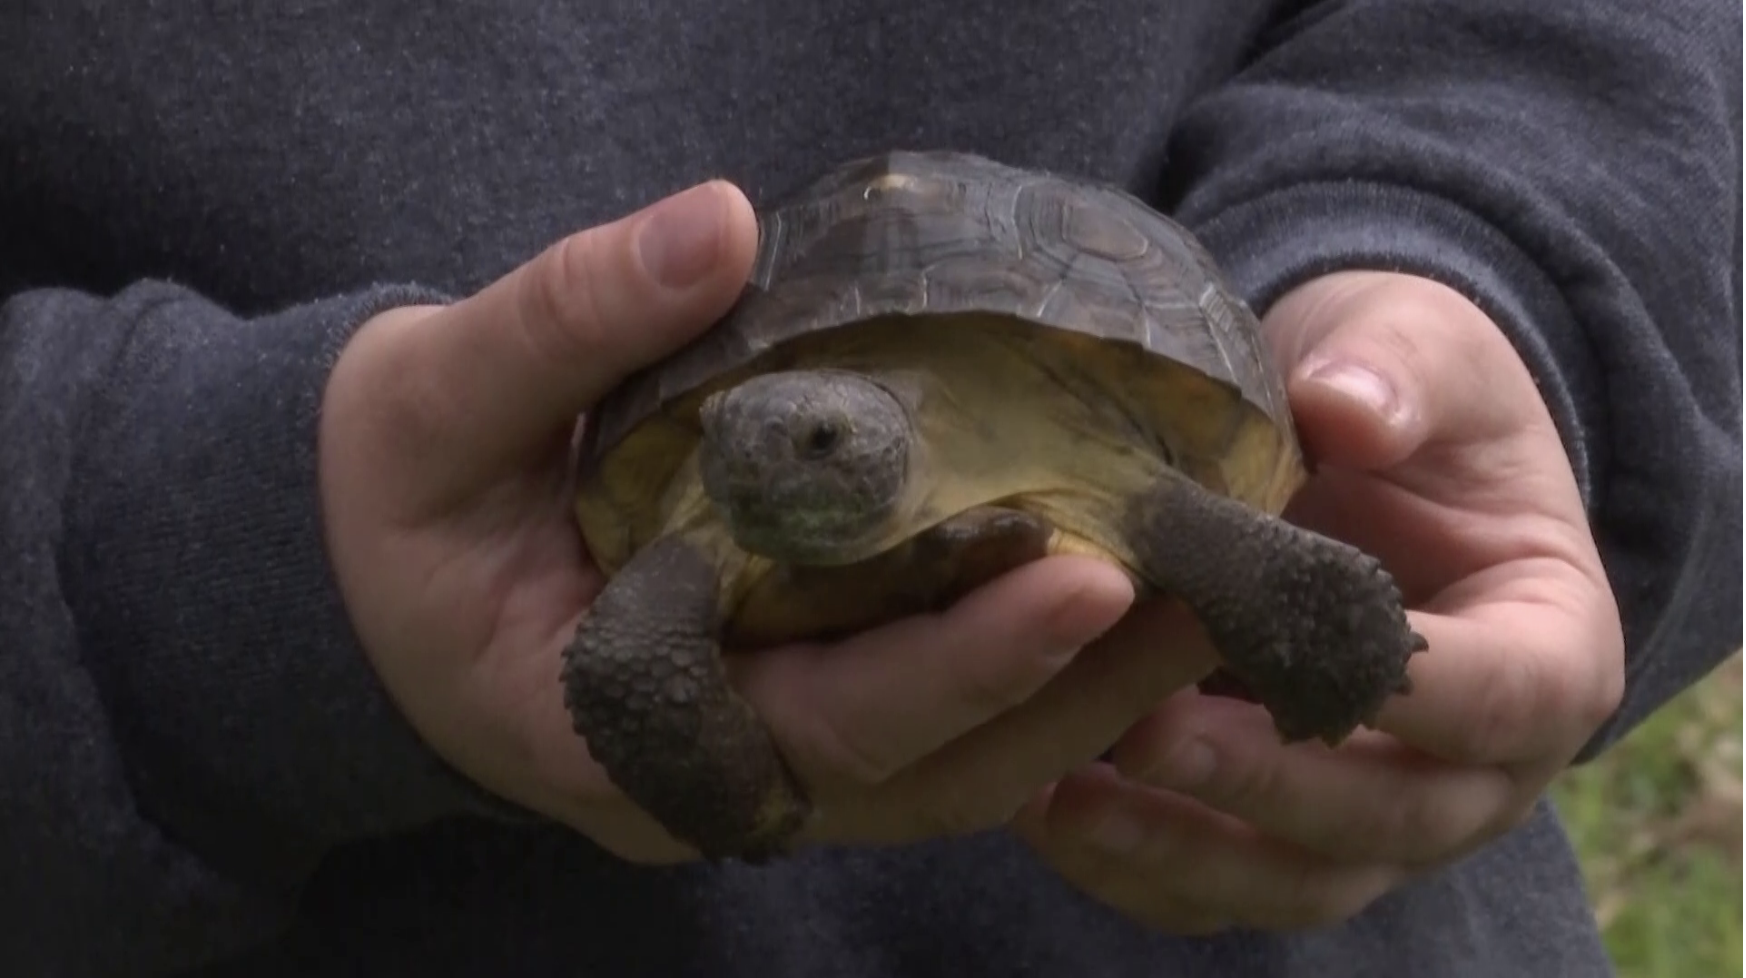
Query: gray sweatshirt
(199, 774)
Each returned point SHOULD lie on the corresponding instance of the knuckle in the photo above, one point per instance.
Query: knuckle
(988, 686)
(959, 813)
(1244, 784)
(955, 805)
(563, 315)
(849, 755)
(1398, 343)
(1505, 821)
(1423, 826)
(1504, 705)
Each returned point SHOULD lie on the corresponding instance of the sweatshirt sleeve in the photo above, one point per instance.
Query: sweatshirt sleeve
(1574, 168)
(186, 720)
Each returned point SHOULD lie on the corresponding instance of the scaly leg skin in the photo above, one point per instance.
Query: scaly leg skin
(1313, 627)
(646, 688)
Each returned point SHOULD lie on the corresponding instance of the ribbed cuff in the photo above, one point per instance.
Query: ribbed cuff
(245, 707)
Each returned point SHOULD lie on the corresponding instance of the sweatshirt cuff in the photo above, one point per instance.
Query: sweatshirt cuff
(244, 704)
(1270, 244)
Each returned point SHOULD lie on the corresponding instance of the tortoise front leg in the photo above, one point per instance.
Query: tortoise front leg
(1313, 627)
(646, 688)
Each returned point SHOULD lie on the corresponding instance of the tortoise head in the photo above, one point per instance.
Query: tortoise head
(807, 466)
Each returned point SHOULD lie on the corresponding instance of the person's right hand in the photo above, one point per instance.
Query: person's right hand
(445, 460)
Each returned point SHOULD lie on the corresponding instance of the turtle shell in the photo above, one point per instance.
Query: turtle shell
(937, 233)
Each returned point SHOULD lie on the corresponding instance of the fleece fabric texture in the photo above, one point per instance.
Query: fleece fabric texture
(199, 774)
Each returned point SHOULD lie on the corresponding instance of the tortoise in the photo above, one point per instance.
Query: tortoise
(944, 366)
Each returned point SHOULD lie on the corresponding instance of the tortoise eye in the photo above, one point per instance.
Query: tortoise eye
(822, 438)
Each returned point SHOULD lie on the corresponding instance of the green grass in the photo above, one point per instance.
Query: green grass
(1657, 823)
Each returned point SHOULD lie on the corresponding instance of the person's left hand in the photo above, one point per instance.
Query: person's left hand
(1436, 454)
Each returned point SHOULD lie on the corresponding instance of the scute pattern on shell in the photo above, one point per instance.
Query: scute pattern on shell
(940, 232)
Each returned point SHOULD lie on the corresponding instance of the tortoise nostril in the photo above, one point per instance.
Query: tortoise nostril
(821, 439)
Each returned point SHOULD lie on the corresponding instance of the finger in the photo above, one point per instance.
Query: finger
(1373, 800)
(978, 780)
(1423, 542)
(1521, 674)
(861, 709)
(510, 368)
(1380, 364)
(1178, 866)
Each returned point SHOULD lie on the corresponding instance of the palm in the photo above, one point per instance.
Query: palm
(1447, 544)
(522, 581)
(478, 578)
(1468, 496)
(1435, 453)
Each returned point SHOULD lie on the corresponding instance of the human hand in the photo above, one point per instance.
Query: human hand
(1443, 461)
(445, 471)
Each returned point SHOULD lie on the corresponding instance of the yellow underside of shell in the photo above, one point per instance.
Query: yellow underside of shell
(1042, 420)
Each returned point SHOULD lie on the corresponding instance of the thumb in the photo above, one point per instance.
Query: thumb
(515, 364)
(1378, 364)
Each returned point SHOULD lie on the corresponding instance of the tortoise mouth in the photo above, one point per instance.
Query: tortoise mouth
(798, 535)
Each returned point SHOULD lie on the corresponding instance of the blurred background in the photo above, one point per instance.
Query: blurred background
(1657, 822)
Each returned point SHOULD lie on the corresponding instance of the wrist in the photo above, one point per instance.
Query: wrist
(195, 563)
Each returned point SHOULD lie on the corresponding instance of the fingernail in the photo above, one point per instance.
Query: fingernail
(1118, 833)
(1358, 382)
(1188, 766)
(680, 239)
